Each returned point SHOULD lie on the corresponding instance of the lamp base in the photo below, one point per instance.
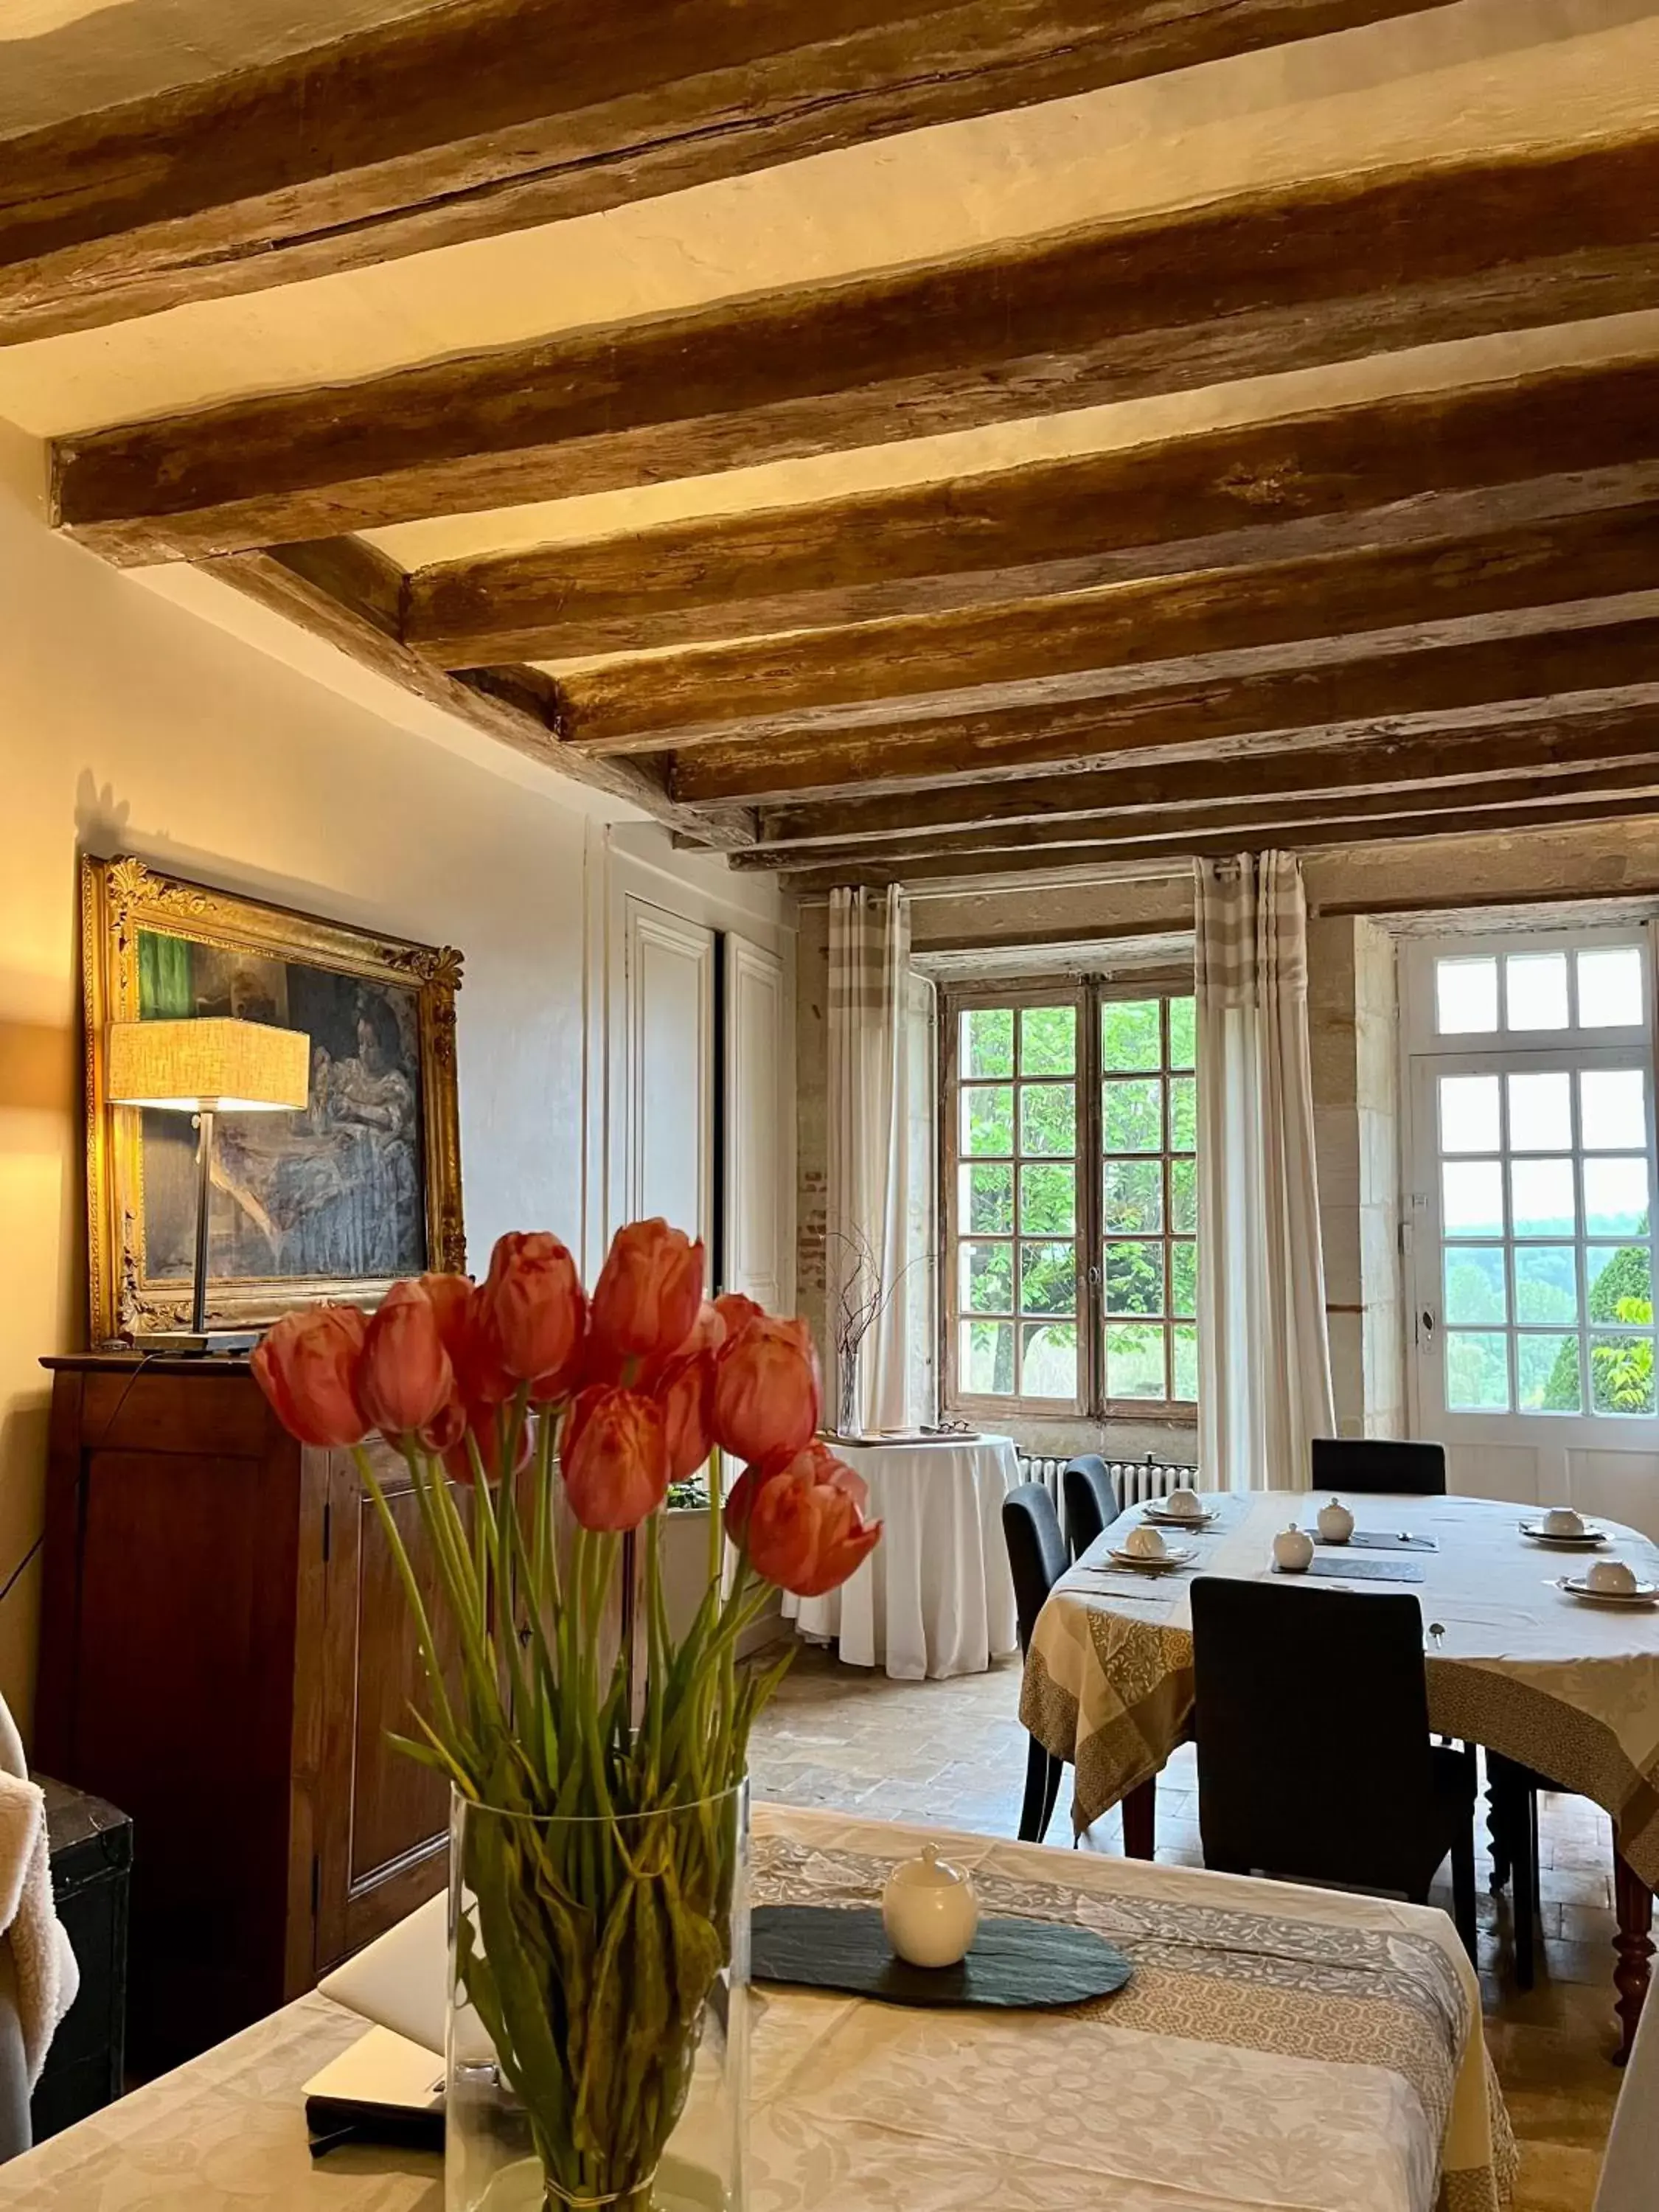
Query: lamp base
(188, 1343)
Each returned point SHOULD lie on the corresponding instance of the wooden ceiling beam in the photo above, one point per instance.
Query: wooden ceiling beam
(1391, 693)
(346, 601)
(470, 120)
(1315, 272)
(1381, 473)
(1269, 831)
(1496, 754)
(1041, 654)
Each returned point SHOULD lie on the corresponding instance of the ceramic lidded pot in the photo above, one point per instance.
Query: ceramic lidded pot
(1336, 1522)
(1293, 1551)
(929, 1910)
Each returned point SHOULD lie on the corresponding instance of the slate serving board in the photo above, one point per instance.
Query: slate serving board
(1022, 1965)
(1330, 1562)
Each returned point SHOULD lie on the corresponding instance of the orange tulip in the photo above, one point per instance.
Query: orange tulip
(708, 1331)
(306, 1366)
(800, 1518)
(646, 1302)
(404, 1379)
(485, 1425)
(737, 1311)
(614, 1456)
(685, 1396)
(767, 1391)
(530, 1315)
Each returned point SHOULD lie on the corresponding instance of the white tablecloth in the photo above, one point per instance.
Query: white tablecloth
(935, 1597)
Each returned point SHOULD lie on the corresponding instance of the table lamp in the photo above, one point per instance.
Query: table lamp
(203, 1068)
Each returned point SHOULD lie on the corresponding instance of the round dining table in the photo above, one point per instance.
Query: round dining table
(935, 1597)
(1566, 1687)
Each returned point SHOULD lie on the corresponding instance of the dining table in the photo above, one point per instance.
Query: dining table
(1274, 2046)
(1564, 1685)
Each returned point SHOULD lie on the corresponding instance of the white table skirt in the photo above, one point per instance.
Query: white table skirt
(935, 1597)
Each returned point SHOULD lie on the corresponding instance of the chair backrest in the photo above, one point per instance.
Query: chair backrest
(1313, 1731)
(1089, 1497)
(1036, 1550)
(1379, 1463)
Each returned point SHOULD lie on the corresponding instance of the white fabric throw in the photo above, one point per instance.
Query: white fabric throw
(1264, 1387)
(47, 1975)
(879, 1183)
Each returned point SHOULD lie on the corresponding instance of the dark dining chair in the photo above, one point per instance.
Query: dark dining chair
(1314, 1758)
(1036, 1558)
(1369, 1464)
(1089, 1497)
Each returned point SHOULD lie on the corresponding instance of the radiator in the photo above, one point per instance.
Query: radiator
(1135, 1480)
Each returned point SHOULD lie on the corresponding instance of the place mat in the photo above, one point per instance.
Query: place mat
(1329, 1563)
(1379, 1540)
(1020, 1965)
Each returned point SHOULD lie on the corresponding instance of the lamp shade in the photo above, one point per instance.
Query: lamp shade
(237, 1067)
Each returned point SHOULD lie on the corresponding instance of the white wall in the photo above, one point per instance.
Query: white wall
(128, 722)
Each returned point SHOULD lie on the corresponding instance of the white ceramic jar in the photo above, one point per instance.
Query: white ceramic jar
(1336, 1522)
(1293, 1551)
(929, 1910)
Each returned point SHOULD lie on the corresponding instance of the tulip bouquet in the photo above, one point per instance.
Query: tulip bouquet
(541, 1429)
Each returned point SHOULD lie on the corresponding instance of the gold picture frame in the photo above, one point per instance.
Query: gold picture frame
(338, 1201)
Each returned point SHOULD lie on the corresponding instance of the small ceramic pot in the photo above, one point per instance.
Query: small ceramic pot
(1336, 1522)
(929, 1910)
(1293, 1551)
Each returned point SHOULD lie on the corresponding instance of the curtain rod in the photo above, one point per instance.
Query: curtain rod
(959, 887)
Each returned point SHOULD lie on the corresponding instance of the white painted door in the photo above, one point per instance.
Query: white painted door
(757, 1255)
(669, 1070)
(1531, 1190)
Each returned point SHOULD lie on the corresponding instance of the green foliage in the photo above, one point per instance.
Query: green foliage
(988, 1042)
(1621, 1368)
(1134, 1279)
(1047, 1041)
(1132, 1115)
(1130, 1037)
(1047, 1202)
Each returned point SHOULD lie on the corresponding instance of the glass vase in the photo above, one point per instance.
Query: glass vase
(850, 1409)
(597, 2046)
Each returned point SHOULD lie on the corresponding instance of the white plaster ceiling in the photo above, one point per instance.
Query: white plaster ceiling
(1484, 74)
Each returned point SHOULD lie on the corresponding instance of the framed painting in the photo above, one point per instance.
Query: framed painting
(338, 1200)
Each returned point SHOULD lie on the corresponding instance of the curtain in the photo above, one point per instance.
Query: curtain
(878, 1193)
(1264, 1387)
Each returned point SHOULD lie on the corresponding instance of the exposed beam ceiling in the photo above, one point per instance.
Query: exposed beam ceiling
(1397, 470)
(494, 115)
(1319, 272)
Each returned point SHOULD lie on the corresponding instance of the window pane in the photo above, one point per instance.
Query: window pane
(1465, 996)
(1185, 1384)
(987, 1119)
(1621, 1374)
(1546, 1283)
(1612, 1109)
(1616, 1198)
(988, 1278)
(1134, 1360)
(1049, 1361)
(985, 1199)
(986, 1358)
(1183, 1195)
(1134, 1116)
(1183, 1278)
(1546, 1374)
(1183, 1114)
(1134, 1279)
(1541, 1198)
(1047, 1041)
(1048, 1279)
(1048, 1117)
(1130, 1035)
(1047, 1202)
(1183, 1043)
(1468, 1114)
(988, 1041)
(1133, 1197)
(1610, 989)
(1620, 1280)
(1474, 1284)
(1541, 1113)
(1537, 985)
(1472, 1197)
(1477, 1372)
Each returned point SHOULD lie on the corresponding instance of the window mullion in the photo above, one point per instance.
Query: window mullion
(1091, 1204)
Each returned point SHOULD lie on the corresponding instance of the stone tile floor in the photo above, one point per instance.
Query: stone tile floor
(953, 1754)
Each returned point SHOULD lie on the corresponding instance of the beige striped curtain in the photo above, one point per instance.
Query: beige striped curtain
(1264, 1387)
(878, 1196)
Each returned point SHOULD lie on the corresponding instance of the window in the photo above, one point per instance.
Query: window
(1536, 1085)
(1071, 1200)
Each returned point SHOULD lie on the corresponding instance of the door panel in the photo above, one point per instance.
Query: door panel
(669, 1068)
(758, 1259)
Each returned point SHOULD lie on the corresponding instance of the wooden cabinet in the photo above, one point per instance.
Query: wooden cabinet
(224, 1643)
